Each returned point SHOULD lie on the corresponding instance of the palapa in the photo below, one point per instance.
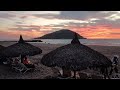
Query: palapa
(75, 56)
(1, 48)
(21, 48)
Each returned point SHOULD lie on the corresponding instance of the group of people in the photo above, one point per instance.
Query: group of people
(113, 68)
(24, 63)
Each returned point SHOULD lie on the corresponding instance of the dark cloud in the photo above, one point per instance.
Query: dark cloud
(110, 23)
(23, 17)
(67, 15)
(83, 15)
(48, 16)
(80, 15)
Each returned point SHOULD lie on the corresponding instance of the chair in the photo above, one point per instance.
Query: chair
(83, 75)
(17, 69)
(96, 77)
(21, 68)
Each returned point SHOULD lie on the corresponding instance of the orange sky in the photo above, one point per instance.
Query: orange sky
(31, 24)
(98, 32)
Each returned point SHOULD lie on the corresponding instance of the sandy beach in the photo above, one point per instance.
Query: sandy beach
(42, 71)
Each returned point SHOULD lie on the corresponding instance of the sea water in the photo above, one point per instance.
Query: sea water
(102, 42)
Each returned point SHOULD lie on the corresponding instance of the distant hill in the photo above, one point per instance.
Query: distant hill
(61, 34)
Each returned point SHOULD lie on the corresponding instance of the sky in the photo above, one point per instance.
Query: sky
(32, 24)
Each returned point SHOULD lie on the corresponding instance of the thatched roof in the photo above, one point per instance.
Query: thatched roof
(1, 47)
(75, 56)
(21, 48)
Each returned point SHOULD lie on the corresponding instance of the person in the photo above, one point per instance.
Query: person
(22, 58)
(27, 63)
(9, 61)
(114, 65)
(20, 65)
(104, 71)
(115, 60)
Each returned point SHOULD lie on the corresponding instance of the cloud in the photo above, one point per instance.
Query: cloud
(47, 16)
(6, 15)
(19, 22)
(25, 27)
(79, 15)
(82, 18)
(115, 33)
(14, 34)
(90, 24)
(23, 17)
(79, 18)
(110, 23)
(38, 14)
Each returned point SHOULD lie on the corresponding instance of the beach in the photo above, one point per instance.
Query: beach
(42, 71)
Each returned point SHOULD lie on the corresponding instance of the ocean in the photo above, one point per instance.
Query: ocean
(102, 42)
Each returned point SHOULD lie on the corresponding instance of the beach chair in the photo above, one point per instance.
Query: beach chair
(17, 69)
(83, 75)
(21, 69)
(115, 76)
(96, 77)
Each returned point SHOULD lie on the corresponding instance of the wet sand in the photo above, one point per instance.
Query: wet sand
(43, 71)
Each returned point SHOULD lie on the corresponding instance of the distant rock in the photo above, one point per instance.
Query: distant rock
(33, 41)
(61, 34)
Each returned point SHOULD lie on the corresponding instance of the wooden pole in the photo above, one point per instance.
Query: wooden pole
(75, 74)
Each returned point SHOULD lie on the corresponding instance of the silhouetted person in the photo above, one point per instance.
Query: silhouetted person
(104, 71)
(22, 58)
(115, 60)
(114, 65)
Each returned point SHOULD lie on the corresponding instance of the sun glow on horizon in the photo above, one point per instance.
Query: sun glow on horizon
(32, 24)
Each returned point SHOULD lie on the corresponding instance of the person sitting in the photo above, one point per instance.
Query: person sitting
(9, 61)
(18, 65)
(27, 63)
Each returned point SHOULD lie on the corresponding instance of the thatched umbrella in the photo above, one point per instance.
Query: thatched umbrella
(21, 48)
(1, 47)
(75, 56)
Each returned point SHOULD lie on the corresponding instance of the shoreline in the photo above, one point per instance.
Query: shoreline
(108, 51)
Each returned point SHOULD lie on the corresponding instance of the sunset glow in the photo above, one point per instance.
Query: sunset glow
(31, 24)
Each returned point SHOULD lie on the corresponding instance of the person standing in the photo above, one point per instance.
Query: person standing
(114, 65)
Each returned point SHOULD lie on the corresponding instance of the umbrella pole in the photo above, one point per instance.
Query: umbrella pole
(75, 74)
